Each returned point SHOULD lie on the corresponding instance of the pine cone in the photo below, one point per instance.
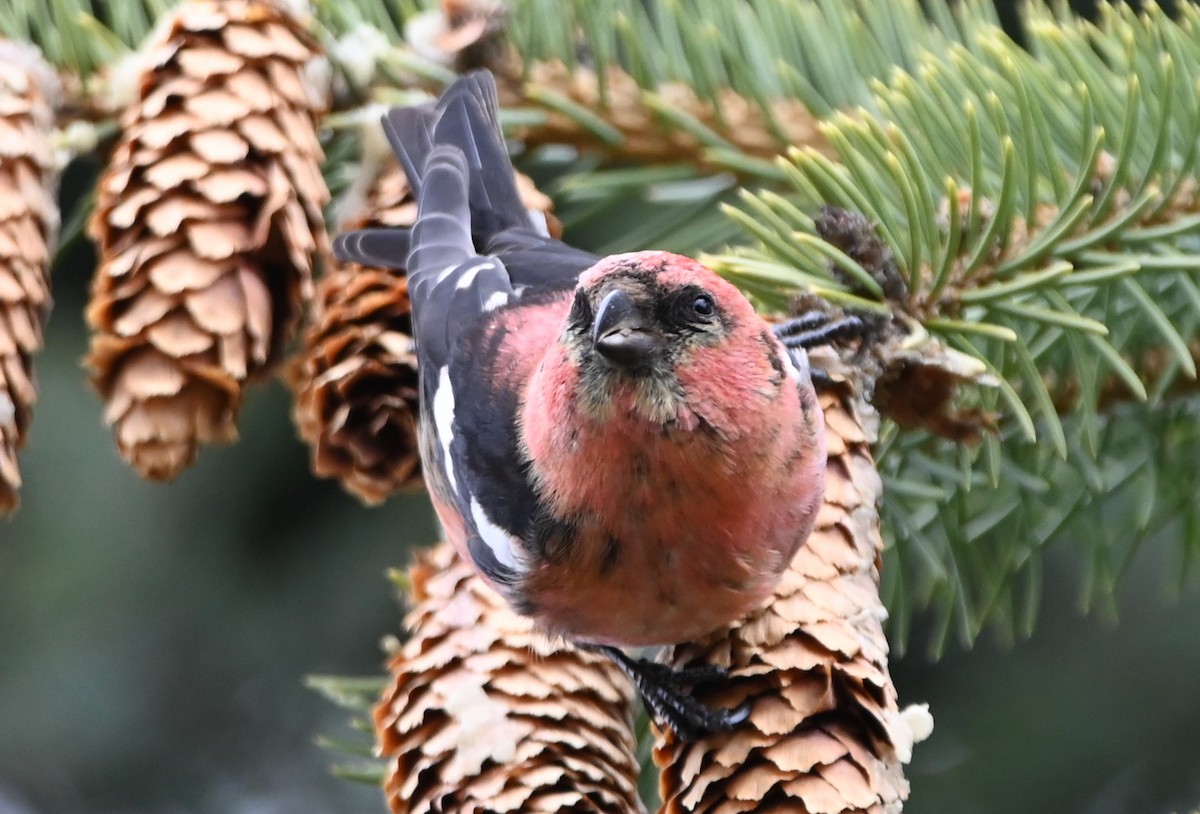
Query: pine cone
(356, 379)
(357, 390)
(208, 221)
(487, 715)
(824, 733)
(28, 231)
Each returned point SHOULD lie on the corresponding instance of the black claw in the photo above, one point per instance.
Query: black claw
(664, 675)
(814, 329)
(696, 676)
(665, 692)
(688, 717)
(691, 719)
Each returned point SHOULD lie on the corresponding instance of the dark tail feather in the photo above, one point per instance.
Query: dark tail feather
(470, 120)
(441, 237)
(377, 248)
(467, 116)
(410, 132)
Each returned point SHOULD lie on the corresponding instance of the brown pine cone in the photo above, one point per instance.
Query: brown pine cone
(485, 714)
(824, 732)
(208, 223)
(28, 231)
(355, 379)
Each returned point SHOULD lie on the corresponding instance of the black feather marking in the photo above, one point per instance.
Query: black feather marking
(581, 315)
(799, 452)
(774, 358)
(493, 462)
(676, 312)
(639, 462)
(612, 555)
(523, 604)
(537, 261)
(485, 560)
(552, 537)
(673, 305)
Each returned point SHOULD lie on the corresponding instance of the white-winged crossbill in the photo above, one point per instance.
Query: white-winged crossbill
(621, 446)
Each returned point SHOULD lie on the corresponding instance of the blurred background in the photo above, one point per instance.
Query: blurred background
(154, 639)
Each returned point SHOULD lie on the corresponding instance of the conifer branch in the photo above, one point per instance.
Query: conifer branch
(1002, 240)
(719, 85)
(1025, 218)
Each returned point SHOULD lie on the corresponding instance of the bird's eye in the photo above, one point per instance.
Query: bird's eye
(691, 309)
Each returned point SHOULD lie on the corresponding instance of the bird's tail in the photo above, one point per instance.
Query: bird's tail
(466, 117)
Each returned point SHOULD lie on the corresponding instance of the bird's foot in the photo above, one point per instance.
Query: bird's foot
(667, 694)
(814, 328)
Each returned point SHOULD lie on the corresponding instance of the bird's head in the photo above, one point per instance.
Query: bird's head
(642, 322)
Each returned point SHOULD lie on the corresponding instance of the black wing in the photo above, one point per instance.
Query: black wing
(473, 249)
(450, 286)
(467, 117)
(538, 261)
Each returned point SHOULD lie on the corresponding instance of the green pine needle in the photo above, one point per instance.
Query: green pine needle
(1041, 208)
(355, 694)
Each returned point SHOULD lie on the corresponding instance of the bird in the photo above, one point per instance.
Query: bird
(620, 446)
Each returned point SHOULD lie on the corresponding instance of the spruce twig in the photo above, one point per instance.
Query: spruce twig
(1048, 258)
